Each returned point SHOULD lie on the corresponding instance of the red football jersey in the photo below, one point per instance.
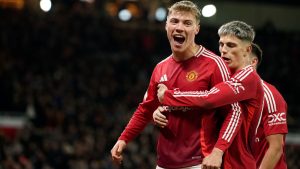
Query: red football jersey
(191, 132)
(273, 122)
(245, 86)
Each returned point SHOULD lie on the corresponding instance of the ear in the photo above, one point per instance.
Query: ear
(249, 49)
(254, 61)
(197, 29)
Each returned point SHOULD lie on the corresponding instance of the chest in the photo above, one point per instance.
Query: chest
(192, 75)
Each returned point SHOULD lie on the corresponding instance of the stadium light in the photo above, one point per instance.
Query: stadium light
(160, 14)
(88, 1)
(45, 5)
(209, 10)
(124, 15)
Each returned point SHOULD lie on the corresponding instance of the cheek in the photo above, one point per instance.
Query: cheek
(220, 49)
(235, 58)
(169, 32)
(191, 35)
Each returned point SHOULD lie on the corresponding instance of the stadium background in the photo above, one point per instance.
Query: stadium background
(70, 78)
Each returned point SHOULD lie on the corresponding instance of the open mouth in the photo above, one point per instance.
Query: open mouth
(226, 59)
(179, 39)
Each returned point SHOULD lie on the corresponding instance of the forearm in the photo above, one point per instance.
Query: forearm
(220, 95)
(230, 126)
(218, 152)
(172, 98)
(271, 158)
(135, 126)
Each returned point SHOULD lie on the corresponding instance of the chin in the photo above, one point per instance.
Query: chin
(177, 49)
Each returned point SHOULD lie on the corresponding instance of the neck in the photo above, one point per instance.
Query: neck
(187, 54)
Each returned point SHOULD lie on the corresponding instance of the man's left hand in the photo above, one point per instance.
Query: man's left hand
(213, 160)
(161, 91)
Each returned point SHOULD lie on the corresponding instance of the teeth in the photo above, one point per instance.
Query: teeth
(178, 36)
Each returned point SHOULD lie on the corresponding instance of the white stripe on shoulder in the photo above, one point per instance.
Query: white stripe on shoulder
(221, 64)
(164, 60)
(269, 98)
(244, 73)
(200, 50)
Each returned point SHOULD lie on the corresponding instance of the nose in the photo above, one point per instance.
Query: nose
(222, 49)
(179, 27)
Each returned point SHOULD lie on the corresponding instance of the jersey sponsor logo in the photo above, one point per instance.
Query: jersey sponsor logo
(196, 157)
(163, 78)
(277, 118)
(178, 108)
(191, 76)
(178, 92)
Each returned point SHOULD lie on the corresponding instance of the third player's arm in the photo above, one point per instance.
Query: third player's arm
(273, 152)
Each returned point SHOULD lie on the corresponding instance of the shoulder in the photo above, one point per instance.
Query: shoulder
(164, 61)
(247, 72)
(271, 90)
(268, 86)
(210, 56)
(214, 61)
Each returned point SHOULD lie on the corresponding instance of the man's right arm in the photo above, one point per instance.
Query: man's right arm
(275, 109)
(274, 151)
(141, 117)
(116, 151)
(143, 114)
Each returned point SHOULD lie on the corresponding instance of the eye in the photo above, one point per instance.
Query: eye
(221, 44)
(231, 45)
(173, 21)
(188, 23)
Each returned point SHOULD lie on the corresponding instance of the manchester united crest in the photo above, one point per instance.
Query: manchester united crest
(191, 76)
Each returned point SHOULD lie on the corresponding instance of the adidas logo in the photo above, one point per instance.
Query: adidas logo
(163, 78)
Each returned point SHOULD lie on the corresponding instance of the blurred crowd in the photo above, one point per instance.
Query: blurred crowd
(77, 76)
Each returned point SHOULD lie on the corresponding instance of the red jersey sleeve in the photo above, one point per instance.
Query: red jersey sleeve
(230, 126)
(232, 113)
(240, 87)
(274, 113)
(143, 114)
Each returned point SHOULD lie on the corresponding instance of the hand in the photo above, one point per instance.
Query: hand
(213, 160)
(161, 91)
(160, 119)
(116, 151)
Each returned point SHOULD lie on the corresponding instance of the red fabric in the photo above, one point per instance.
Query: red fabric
(273, 122)
(191, 132)
(244, 86)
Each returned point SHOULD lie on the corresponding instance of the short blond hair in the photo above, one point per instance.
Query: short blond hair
(186, 6)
